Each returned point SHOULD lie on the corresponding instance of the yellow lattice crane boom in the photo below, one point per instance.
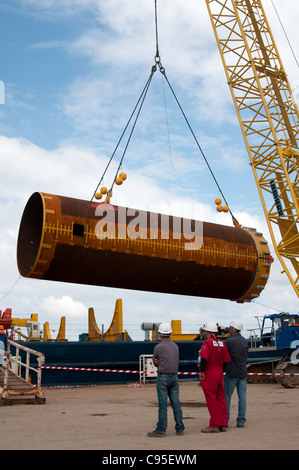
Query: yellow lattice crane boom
(268, 116)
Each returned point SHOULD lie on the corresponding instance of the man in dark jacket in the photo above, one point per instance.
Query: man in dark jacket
(236, 371)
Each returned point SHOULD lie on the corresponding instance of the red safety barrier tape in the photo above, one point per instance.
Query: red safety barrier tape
(122, 371)
(273, 374)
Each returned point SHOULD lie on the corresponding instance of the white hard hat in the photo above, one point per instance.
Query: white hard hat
(236, 324)
(164, 329)
(211, 327)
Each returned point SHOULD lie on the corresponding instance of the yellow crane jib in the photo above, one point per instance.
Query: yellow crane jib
(268, 116)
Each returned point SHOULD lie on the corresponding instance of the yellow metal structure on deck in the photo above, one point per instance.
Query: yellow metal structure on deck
(268, 116)
(114, 333)
(61, 331)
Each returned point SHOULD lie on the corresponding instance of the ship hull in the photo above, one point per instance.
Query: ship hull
(67, 363)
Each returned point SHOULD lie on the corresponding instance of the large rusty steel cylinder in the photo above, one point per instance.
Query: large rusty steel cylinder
(71, 240)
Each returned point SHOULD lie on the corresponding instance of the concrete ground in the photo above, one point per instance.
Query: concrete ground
(118, 417)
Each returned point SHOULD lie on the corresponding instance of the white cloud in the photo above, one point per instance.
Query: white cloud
(58, 307)
(66, 171)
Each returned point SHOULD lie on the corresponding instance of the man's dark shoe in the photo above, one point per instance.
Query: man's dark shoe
(222, 428)
(155, 434)
(240, 425)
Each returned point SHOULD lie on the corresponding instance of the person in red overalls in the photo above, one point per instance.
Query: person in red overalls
(214, 356)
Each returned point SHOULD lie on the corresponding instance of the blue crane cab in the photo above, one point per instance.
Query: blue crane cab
(280, 330)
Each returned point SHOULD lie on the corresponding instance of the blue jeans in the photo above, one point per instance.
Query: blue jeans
(229, 386)
(168, 386)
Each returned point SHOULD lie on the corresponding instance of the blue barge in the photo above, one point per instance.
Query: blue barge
(278, 340)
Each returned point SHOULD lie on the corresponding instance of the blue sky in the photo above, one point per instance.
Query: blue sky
(73, 71)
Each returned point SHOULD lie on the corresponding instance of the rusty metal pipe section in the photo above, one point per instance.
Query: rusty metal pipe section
(71, 240)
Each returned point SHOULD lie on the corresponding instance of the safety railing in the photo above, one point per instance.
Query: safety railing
(22, 368)
(267, 340)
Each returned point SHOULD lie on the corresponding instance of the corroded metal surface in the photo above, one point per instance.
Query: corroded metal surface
(77, 241)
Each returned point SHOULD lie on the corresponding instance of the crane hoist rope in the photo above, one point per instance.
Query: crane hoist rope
(139, 103)
(285, 33)
(157, 65)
